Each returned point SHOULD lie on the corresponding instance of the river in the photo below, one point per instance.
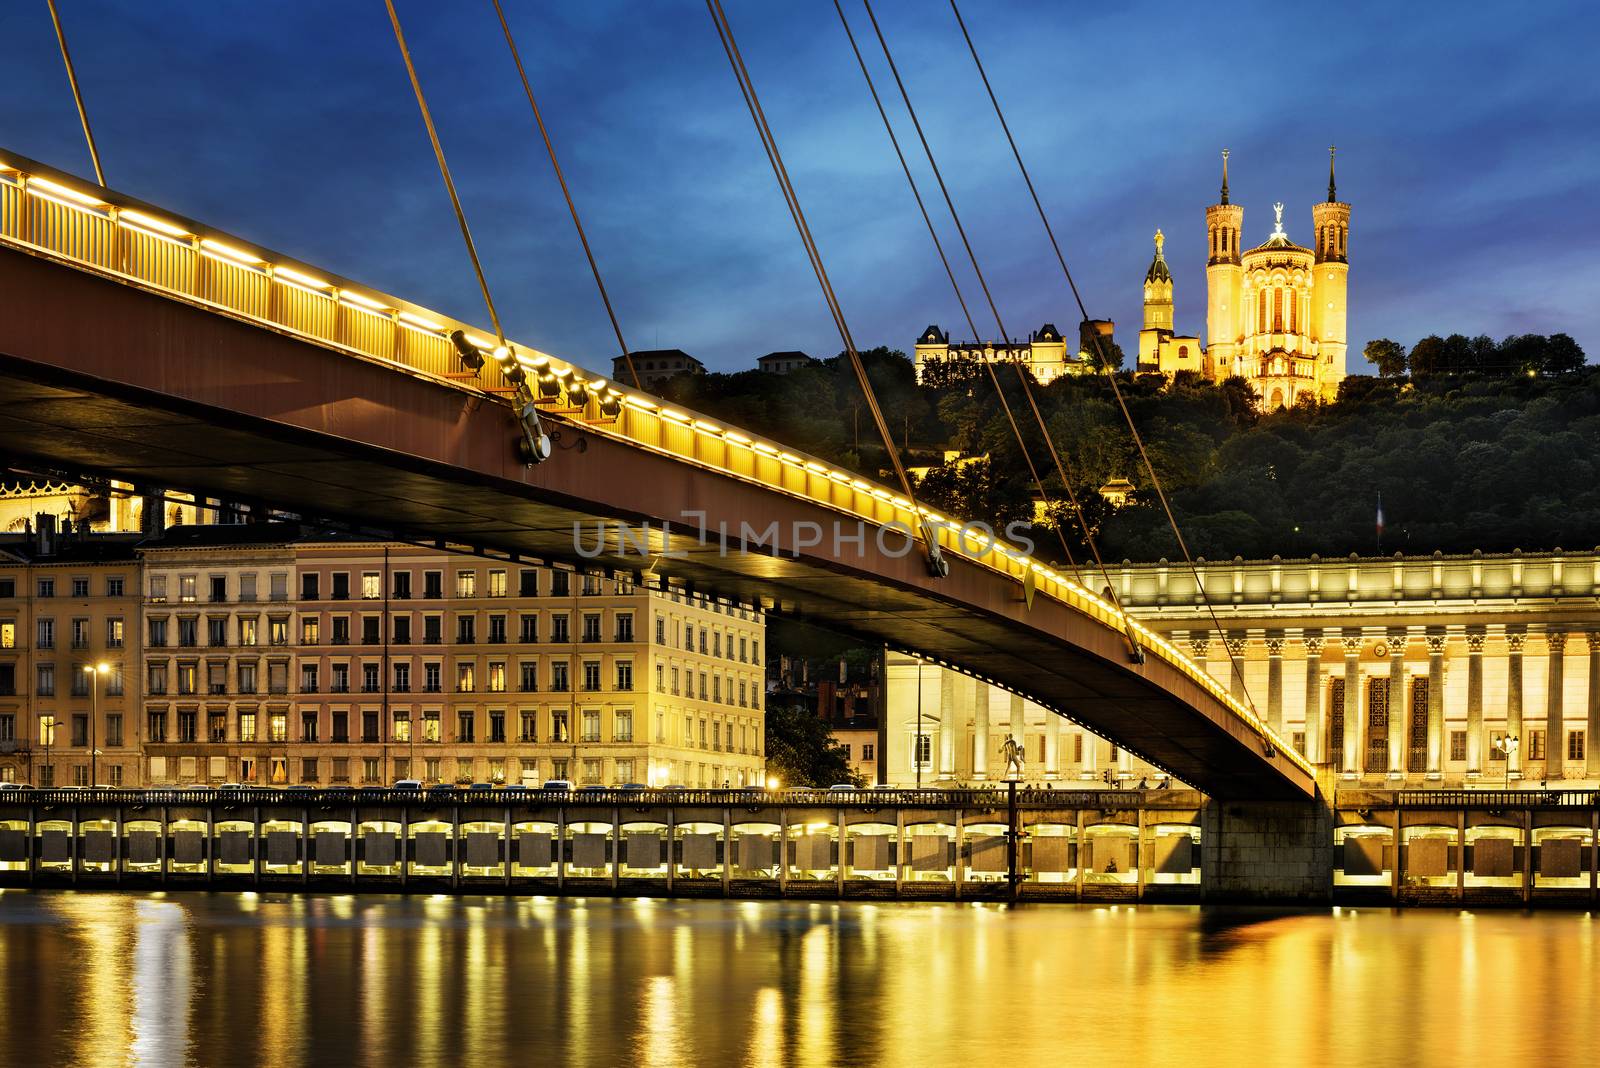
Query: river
(107, 979)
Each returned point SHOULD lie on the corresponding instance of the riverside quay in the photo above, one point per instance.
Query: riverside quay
(1413, 847)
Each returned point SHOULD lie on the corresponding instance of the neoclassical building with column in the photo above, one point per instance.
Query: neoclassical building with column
(1409, 670)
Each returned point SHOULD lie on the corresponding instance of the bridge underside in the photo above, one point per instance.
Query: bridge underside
(97, 376)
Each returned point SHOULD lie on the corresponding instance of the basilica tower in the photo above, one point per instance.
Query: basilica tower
(1224, 279)
(1331, 222)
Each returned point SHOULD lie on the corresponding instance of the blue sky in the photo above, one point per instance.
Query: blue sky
(1467, 136)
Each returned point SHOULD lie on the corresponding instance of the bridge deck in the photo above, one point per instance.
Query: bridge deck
(191, 359)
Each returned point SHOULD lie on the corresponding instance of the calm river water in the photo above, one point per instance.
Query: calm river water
(237, 979)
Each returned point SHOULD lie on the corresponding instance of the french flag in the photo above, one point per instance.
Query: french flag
(1380, 515)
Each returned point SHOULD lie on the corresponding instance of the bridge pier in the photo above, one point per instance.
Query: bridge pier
(1267, 851)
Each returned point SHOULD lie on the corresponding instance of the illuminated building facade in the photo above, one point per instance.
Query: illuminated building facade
(1276, 313)
(69, 604)
(1417, 670)
(250, 654)
(1045, 353)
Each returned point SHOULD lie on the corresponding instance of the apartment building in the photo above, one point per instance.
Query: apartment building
(278, 659)
(69, 655)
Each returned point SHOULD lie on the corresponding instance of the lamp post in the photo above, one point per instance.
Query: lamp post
(94, 671)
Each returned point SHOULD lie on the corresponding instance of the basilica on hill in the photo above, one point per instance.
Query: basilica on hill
(1275, 313)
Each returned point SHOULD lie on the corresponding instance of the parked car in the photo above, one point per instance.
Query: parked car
(408, 784)
(633, 787)
(481, 786)
(15, 786)
(591, 788)
(557, 784)
(841, 787)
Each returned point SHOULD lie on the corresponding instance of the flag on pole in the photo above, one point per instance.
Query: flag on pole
(1380, 515)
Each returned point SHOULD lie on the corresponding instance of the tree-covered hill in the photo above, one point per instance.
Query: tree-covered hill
(1462, 460)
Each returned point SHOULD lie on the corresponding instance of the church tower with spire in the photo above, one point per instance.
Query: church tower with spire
(1160, 348)
(1331, 224)
(1224, 283)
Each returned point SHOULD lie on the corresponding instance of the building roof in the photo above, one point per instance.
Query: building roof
(72, 548)
(225, 535)
(933, 336)
(1158, 271)
(790, 354)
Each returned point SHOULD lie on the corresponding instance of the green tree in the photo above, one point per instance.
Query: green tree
(1562, 355)
(1429, 357)
(1389, 357)
(800, 751)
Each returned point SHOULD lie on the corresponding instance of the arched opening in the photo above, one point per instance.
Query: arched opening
(1277, 398)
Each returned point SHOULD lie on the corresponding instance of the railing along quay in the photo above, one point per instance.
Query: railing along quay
(1002, 844)
(45, 212)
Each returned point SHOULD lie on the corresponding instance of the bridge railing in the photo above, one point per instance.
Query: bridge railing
(966, 798)
(47, 212)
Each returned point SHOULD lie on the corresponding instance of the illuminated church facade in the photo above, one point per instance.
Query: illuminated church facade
(1276, 313)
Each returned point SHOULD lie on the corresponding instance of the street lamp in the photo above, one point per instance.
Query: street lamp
(94, 671)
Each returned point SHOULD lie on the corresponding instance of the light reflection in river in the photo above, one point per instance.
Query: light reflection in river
(280, 980)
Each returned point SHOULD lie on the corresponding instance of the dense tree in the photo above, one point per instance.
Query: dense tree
(800, 751)
(1389, 357)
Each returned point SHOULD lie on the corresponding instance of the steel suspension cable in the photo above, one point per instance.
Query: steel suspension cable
(1155, 480)
(1134, 649)
(769, 143)
(77, 94)
(955, 286)
(572, 208)
(444, 171)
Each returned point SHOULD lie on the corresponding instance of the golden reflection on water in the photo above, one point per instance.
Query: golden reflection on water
(284, 981)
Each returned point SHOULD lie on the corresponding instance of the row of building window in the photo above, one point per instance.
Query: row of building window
(161, 678)
(80, 630)
(78, 588)
(369, 585)
(496, 632)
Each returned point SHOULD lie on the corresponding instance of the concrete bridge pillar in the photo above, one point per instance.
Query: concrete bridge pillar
(1279, 851)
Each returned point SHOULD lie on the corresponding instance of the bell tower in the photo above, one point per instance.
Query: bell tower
(1330, 287)
(1224, 281)
(1157, 307)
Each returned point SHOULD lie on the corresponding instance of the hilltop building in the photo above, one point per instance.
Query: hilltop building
(1276, 314)
(781, 363)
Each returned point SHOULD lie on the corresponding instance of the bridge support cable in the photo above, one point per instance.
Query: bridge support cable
(534, 444)
(1135, 650)
(77, 94)
(955, 286)
(937, 565)
(1235, 666)
(572, 208)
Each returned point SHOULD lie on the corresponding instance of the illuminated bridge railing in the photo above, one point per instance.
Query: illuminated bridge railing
(64, 218)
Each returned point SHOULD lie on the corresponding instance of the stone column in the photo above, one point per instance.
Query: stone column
(1019, 729)
(1087, 770)
(1352, 703)
(1436, 643)
(1475, 638)
(1514, 639)
(1591, 735)
(1316, 749)
(1275, 682)
(980, 730)
(951, 722)
(1555, 741)
(1236, 643)
(1398, 718)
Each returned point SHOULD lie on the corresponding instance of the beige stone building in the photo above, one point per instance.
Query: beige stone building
(279, 661)
(69, 656)
(1045, 353)
(1437, 670)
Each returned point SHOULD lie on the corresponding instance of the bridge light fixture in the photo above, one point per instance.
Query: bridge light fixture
(510, 366)
(471, 356)
(549, 386)
(611, 406)
(578, 393)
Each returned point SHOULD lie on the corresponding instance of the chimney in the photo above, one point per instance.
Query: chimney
(45, 541)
